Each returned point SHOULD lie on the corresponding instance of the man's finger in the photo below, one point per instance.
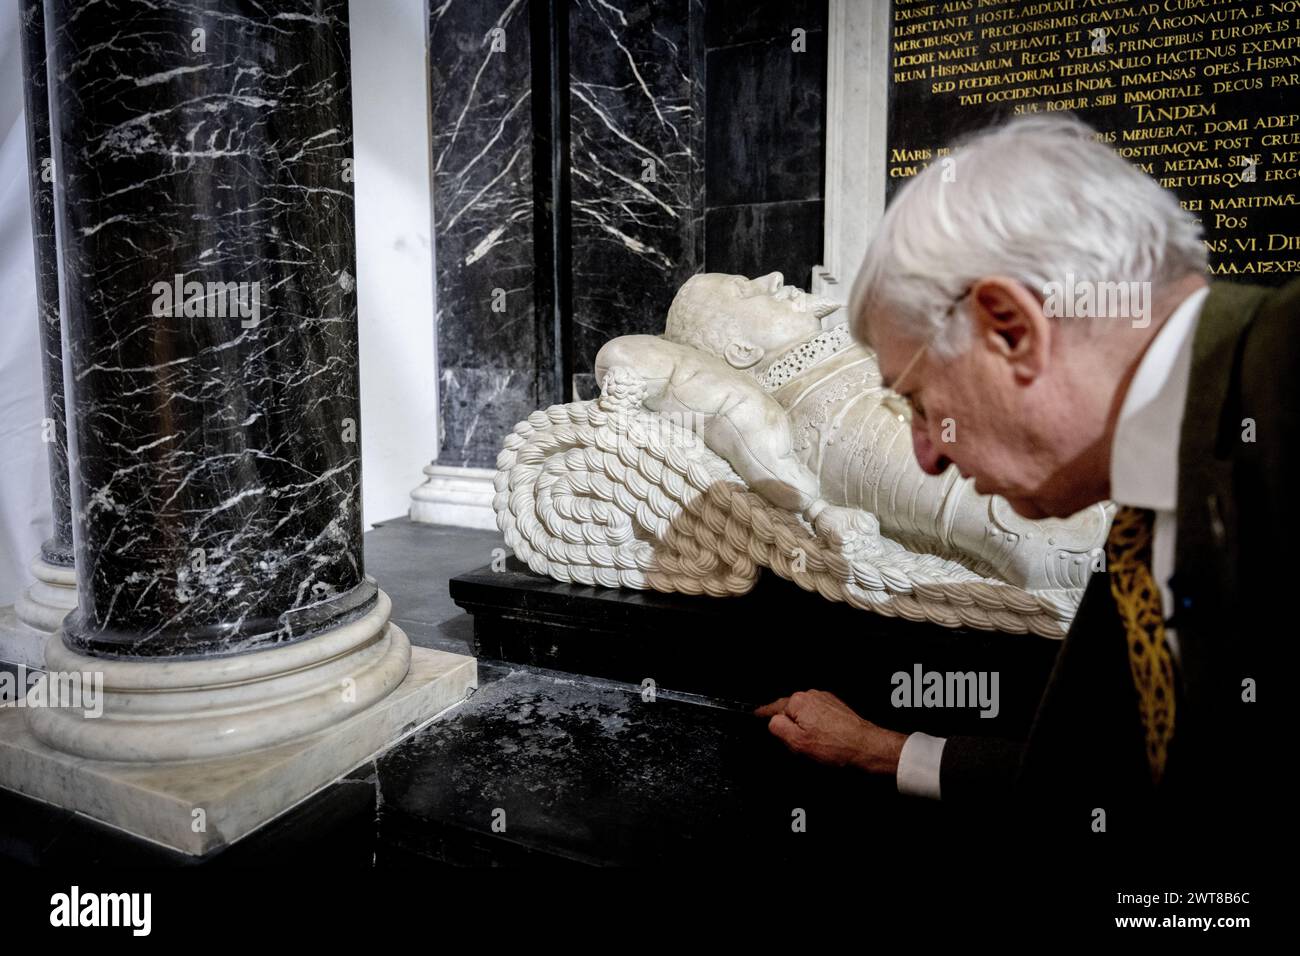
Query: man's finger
(776, 707)
(790, 733)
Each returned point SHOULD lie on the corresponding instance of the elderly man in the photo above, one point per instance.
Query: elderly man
(1176, 400)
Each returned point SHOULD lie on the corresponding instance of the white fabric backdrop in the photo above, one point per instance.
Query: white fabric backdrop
(25, 519)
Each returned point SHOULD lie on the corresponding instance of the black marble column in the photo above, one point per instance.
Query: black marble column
(58, 549)
(490, 367)
(205, 150)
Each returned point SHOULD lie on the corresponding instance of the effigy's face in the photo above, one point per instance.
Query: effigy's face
(770, 314)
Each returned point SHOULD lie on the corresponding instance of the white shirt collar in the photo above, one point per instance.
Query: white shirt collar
(1144, 453)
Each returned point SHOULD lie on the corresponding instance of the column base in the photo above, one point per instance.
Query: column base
(199, 806)
(19, 642)
(157, 709)
(38, 613)
(456, 496)
(47, 601)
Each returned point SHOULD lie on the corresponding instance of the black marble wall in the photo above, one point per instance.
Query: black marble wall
(765, 136)
(695, 140)
(214, 435)
(637, 170)
(482, 131)
(40, 166)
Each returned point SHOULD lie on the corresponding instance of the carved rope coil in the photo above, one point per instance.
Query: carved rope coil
(606, 493)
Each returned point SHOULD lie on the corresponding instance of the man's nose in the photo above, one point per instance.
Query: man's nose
(770, 283)
(927, 455)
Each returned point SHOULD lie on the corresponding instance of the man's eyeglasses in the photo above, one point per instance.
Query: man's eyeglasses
(902, 406)
(898, 404)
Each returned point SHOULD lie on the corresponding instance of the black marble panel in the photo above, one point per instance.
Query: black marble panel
(728, 22)
(636, 179)
(753, 648)
(214, 429)
(481, 123)
(40, 168)
(765, 123)
(758, 238)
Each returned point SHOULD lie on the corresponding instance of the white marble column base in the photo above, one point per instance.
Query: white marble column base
(197, 709)
(455, 496)
(46, 602)
(39, 611)
(197, 807)
(20, 643)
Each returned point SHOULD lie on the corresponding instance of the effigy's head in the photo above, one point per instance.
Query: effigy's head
(743, 321)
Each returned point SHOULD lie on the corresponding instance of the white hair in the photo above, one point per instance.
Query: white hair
(1032, 199)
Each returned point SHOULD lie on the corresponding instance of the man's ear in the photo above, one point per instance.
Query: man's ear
(742, 354)
(1008, 320)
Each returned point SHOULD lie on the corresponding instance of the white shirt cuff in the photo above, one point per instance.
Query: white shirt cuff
(918, 766)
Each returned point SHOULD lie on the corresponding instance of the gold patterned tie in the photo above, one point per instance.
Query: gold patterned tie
(1128, 559)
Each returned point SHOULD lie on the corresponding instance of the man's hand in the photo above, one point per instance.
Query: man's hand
(819, 724)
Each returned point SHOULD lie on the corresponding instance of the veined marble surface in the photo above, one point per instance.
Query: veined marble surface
(482, 128)
(637, 183)
(214, 436)
(57, 550)
(636, 202)
(636, 148)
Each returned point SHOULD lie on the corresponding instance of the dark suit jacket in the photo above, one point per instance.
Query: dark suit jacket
(1237, 530)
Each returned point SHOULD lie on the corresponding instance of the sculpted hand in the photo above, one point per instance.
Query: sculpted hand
(822, 726)
(849, 529)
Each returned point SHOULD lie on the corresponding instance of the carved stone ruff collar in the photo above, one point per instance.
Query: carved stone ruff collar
(804, 356)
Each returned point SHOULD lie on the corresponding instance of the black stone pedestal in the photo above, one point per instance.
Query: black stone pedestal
(543, 769)
(750, 649)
